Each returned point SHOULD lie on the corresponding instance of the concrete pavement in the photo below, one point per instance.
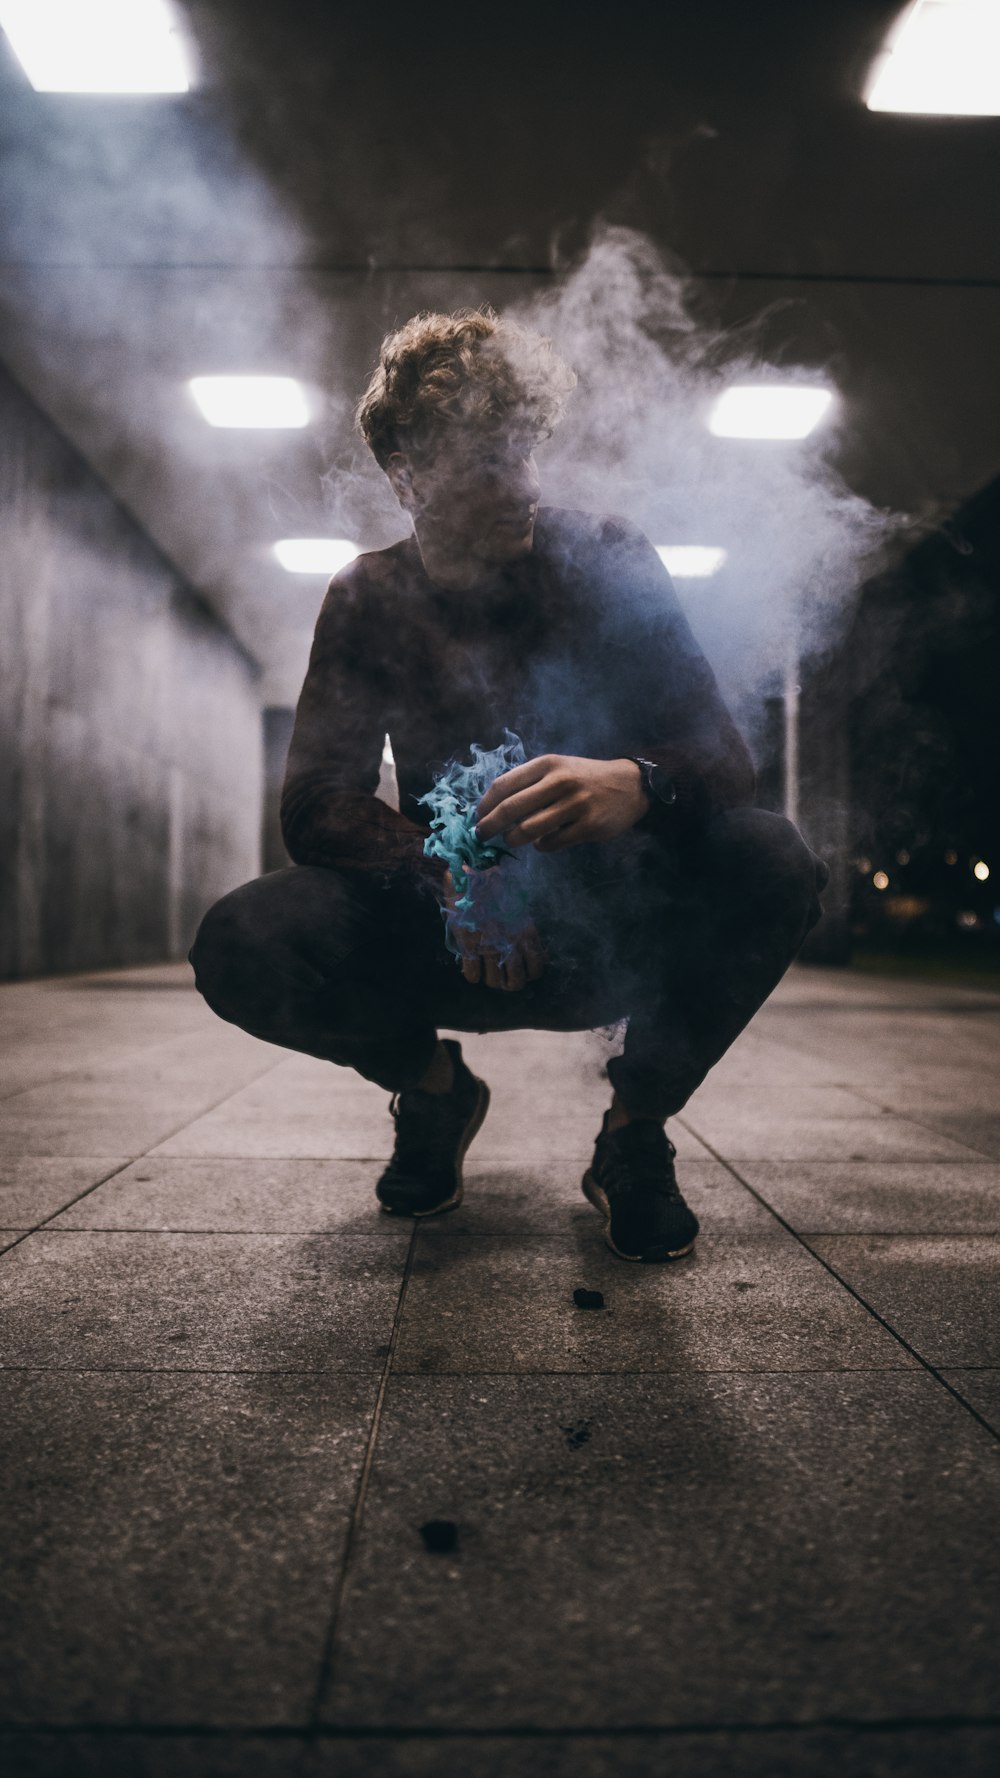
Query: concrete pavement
(740, 1520)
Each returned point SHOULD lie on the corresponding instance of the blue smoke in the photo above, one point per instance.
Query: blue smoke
(493, 898)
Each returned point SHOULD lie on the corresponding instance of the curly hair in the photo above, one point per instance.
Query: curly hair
(471, 369)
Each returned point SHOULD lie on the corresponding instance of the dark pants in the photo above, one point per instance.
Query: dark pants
(686, 945)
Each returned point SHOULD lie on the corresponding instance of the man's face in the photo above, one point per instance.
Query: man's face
(477, 496)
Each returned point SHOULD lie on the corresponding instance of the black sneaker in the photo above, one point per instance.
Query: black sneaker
(433, 1131)
(631, 1181)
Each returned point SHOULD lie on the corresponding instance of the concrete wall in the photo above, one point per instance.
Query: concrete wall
(130, 751)
(277, 731)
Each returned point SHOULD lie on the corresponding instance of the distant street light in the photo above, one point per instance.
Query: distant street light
(97, 46)
(690, 561)
(251, 403)
(768, 410)
(315, 555)
(941, 58)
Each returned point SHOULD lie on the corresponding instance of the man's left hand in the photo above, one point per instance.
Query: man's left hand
(559, 800)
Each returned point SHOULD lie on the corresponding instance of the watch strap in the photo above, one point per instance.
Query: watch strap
(648, 767)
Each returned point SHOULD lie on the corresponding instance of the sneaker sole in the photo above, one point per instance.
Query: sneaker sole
(472, 1130)
(599, 1199)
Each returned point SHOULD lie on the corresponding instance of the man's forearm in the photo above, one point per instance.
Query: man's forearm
(324, 824)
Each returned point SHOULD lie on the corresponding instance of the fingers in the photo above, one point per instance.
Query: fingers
(493, 972)
(524, 964)
(471, 968)
(518, 778)
(575, 833)
(519, 793)
(514, 813)
(514, 971)
(547, 822)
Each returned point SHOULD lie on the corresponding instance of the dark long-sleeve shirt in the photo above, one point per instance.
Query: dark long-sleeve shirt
(579, 647)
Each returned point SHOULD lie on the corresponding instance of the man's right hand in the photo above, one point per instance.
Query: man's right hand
(481, 962)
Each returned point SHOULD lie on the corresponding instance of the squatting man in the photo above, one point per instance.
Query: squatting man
(653, 890)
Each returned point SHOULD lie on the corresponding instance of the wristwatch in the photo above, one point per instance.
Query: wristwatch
(658, 785)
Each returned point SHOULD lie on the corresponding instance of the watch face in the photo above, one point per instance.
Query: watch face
(662, 785)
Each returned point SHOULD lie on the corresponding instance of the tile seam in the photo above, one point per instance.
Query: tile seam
(924, 1363)
(355, 1523)
(129, 1161)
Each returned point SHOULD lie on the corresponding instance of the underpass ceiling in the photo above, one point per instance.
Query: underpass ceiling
(338, 168)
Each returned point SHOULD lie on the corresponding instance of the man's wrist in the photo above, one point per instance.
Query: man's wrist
(659, 790)
(644, 794)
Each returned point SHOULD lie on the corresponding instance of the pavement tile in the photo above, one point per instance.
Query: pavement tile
(890, 1197)
(98, 1134)
(753, 1301)
(83, 1755)
(682, 1550)
(189, 1082)
(187, 1302)
(740, 1136)
(171, 1542)
(774, 1103)
(870, 1046)
(981, 1388)
(34, 1187)
(800, 1753)
(939, 1292)
(942, 1078)
(350, 1125)
(219, 1193)
(756, 1060)
(977, 1129)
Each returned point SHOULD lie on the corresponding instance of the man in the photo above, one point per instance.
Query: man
(655, 892)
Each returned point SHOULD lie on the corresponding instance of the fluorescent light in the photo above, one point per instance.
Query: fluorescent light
(97, 46)
(273, 402)
(942, 57)
(690, 561)
(768, 410)
(315, 555)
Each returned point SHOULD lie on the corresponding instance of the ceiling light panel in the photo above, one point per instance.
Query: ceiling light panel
(251, 402)
(690, 561)
(98, 46)
(768, 410)
(942, 58)
(315, 555)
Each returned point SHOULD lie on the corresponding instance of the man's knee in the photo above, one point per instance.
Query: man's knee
(248, 944)
(279, 937)
(226, 952)
(766, 858)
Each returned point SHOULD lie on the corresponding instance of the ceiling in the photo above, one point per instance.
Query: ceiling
(337, 168)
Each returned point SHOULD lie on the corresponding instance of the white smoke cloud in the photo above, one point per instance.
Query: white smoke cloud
(636, 441)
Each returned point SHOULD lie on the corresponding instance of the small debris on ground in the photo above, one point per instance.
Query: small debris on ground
(588, 1299)
(577, 1434)
(440, 1536)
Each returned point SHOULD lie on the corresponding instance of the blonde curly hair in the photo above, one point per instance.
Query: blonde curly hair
(472, 369)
